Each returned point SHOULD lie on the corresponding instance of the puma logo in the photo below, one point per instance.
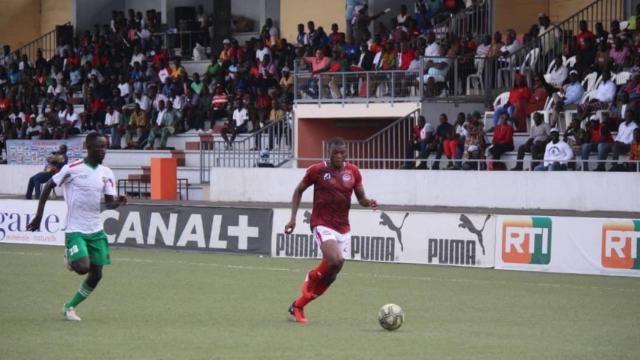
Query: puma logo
(307, 217)
(385, 220)
(466, 223)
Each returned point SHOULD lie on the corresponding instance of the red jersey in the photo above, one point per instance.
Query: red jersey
(332, 189)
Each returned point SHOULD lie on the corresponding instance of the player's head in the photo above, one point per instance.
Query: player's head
(96, 147)
(337, 152)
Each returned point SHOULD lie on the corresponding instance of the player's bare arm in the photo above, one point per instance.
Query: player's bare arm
(295, 204)
(34, 225)
(112, 202)
(363, 200)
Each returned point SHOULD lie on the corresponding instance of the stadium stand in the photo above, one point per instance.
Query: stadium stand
(97, 82)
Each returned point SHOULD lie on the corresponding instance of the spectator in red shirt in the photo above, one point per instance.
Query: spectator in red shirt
(535, 103)
(583, 35)
(634, 152)
(407, 54)
(518, 97)
(502, 141)
(263, 107)
(336, 37)
(158, 56)
(219, 104)
(596, 133)
(97, 110)
(5, 103)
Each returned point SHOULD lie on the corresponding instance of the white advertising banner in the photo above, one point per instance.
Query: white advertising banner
(15, 215)
(568, 245)
(402, 237)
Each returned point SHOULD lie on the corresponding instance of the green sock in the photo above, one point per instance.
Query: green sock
(82, 293)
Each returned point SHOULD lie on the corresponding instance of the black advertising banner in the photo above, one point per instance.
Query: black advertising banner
(235, 230)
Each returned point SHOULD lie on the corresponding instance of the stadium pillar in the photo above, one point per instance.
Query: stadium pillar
(164, 173)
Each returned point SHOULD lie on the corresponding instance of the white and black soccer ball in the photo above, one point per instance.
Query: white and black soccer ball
(390, 317)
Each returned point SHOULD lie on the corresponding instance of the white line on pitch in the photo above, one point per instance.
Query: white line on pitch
(348, 274)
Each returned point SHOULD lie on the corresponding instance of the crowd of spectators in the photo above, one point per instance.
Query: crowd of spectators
(121, 80)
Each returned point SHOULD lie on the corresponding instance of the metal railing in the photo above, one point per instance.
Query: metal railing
(142, 189)
(554, 40)
(484, 164)
(269, 146)
(476, 20)
(362, 86)
(182, 40)
(479, 77)
(47, 43)
(382, 149)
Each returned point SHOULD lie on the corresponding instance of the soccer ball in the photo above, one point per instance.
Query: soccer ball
(390, 317)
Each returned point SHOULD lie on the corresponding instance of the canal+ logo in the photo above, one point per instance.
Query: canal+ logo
(621, 245)
(527, 240)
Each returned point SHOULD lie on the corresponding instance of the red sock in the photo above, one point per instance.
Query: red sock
(314, 281)
(319, 271)
(320, 288)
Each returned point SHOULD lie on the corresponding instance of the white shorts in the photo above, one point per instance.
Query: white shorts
(323, 233)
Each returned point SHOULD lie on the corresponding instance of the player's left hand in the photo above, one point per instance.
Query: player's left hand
(373, 204)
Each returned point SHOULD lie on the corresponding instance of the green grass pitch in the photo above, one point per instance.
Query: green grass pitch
(156, 304)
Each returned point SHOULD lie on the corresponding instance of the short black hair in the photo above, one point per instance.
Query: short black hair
(91, 138)
(336, 141)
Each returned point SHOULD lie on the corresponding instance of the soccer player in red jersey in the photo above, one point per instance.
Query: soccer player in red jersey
(334, 183)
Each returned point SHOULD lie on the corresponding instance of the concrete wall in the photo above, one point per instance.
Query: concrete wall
(14, 178)
(323, 13)
(514, 190)
(87, 13)
(19, 22)
(54, 12)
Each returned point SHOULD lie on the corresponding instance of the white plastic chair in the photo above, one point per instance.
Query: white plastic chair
(586, 97)
(488, 115)
(570, 62)
(589, 81)
(599, 80)
(622, 78)
(553, 62)
(529, 63)
(475, 82)
(546, 110)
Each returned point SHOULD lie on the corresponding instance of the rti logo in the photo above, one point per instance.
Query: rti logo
(527, 241)
(621, 245)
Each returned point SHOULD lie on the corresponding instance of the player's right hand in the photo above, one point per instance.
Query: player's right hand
(288, 229)
(34, 225)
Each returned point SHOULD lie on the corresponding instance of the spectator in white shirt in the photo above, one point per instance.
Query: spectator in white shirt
(621, 143)
(70, 122)
(557, 154)
(558, 73)
(238, 124)
(605, 94)
(432, 49)
(142, 100)
(112, 124)
(124, 87)
(137, 56)
(569, 101)
(261, 50)
(508, 50)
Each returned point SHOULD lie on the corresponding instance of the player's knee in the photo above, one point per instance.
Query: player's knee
(336, 262)
(80, 268)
